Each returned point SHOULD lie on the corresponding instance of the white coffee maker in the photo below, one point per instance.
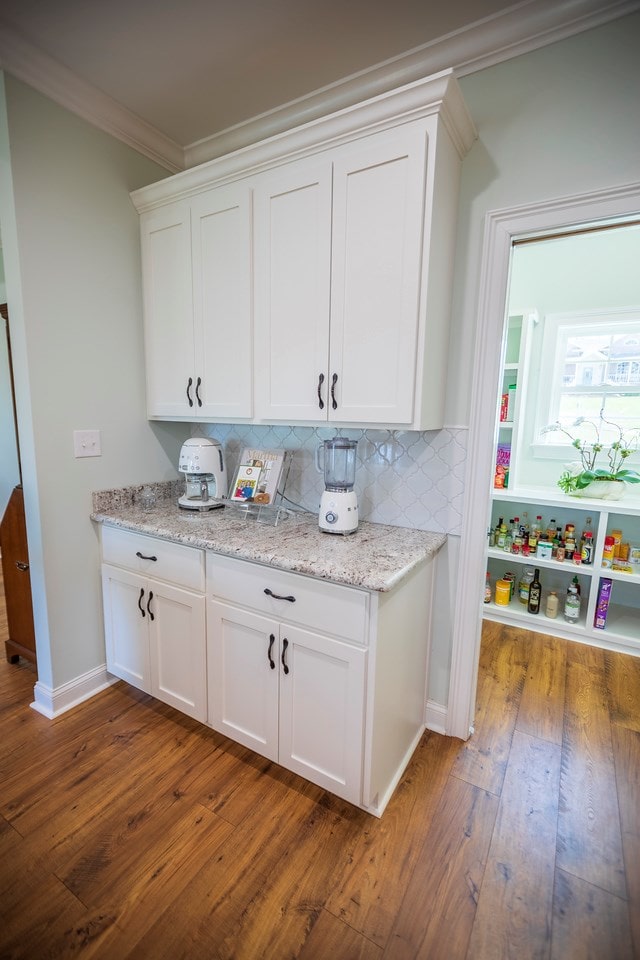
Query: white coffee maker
(202, 462)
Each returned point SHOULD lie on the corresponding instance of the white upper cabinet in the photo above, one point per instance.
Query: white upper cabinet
(292, 271)
(197, 289)
(337, 282)
(351, 279)
(378, 204)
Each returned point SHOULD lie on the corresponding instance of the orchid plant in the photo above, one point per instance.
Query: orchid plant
(577, 476)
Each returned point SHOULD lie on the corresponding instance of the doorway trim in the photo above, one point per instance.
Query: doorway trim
(501, 228)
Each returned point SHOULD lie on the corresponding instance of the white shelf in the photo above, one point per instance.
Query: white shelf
(566, 566)
(545, 497)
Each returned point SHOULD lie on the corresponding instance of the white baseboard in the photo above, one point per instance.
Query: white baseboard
(52, 702)
(436, 717)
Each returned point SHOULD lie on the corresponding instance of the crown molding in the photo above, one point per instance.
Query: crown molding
(438, 97)
(522, 28)
(43, 73)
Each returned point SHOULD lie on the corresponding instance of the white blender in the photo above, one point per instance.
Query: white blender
(202, 463)
(339, 502)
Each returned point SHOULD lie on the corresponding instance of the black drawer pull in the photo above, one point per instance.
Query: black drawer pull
(276, 596)
(140, 602)
(143, 557)
(285, 644)
(21, 565)
(189, 397)
(272, 640)
(334, 402)
(320, 382)
(149, 610)
(198, 397)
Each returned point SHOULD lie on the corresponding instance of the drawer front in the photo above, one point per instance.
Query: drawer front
(320, 606)
(174, 562)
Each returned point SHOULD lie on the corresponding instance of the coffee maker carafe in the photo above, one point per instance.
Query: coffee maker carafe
(202, 462)
(339, 502)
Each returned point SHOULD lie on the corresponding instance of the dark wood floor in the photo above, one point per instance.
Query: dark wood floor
(127, 830)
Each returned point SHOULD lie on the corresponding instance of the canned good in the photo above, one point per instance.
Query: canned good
(503, 592)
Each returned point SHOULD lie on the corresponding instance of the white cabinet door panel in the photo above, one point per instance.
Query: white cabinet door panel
(242, 685)
(168, 309)
(322, 711)
(125, 623)
(292, 279)
(176, 621)
(221, 247)
(378, 205)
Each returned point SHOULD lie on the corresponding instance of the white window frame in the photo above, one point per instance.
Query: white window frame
(564, 325)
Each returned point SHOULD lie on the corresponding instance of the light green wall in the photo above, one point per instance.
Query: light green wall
(72, 259)
(557, 122)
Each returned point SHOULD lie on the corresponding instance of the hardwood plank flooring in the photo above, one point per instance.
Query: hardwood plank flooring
(130, 831)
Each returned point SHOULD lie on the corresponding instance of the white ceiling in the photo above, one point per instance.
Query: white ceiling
(173, 73)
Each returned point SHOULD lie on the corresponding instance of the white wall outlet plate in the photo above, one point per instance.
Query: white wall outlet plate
(86, 443)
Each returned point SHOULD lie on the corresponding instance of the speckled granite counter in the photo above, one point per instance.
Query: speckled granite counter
(376, 557)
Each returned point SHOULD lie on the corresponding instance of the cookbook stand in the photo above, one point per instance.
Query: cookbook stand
(270, 514)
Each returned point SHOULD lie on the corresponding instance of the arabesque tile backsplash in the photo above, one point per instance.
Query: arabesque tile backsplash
(403, 478)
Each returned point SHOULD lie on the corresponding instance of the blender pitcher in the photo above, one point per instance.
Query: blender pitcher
(339, 503)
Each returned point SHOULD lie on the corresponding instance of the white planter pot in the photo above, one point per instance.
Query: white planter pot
(602, 490)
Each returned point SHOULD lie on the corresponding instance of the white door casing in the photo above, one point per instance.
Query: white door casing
(501, 227)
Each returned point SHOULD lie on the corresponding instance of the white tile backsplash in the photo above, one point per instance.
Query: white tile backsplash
(403, 478)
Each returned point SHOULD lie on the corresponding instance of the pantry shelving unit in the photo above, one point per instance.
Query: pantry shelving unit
(622, 630)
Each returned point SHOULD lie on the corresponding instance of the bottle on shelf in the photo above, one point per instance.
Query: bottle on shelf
(576, 584)
(607, 553)
(535, 593)
(487, 588)
(551, 529)
(551, 609)
(524, 584)
(586, 548)
(501, 535)
(572, 605)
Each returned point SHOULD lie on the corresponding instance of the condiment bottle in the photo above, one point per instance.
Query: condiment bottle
(487, 588)
(552, 605)
(607, 553)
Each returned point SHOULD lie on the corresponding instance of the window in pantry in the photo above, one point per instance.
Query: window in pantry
(594, 361)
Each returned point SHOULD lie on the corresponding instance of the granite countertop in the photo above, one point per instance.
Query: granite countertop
(375, 557)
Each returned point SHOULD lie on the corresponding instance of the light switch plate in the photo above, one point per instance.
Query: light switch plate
(86, 443)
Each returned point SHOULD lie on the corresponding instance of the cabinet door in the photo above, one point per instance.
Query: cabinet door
(242, 683)
(168, 310)
(221, 248)
(176, 622)
(322, 710)
(292, 278)
(378, 210)
(124, 597)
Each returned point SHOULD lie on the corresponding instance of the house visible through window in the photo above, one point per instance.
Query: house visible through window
(594, 363)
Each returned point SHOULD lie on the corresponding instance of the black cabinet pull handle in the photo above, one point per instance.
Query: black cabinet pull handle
(144, 557)
(21, 565)
(140, 602)
(198, 384)
(151, 616)
(189, 397)
(334, 402)
(276, 596)
(320, 382)
(272, 640)
(285, 644)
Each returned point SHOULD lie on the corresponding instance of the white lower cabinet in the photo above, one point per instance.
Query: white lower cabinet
(292, 695)
(154, 630)
(327, 680)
